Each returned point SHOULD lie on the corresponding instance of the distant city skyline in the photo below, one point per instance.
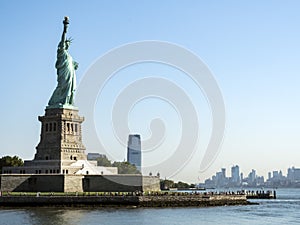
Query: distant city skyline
(251, 48)
(238, 179)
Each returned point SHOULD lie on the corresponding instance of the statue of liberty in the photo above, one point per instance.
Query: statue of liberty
(63, 95)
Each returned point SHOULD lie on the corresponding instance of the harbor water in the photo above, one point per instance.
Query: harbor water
(283, 210)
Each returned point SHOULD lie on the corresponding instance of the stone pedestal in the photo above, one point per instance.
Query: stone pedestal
(61, 137)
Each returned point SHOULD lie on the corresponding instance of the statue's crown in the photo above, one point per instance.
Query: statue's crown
(69, 40)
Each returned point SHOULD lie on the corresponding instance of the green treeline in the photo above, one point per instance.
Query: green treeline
(10, 161)
(123, 167)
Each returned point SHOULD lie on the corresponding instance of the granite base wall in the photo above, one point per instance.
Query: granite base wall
(78, 183)
(32, 183)
(114, 183)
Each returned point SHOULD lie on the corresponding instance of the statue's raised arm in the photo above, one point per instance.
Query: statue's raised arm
(63, 95)
(66, 23)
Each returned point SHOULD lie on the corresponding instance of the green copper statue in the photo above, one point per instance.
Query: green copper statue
(63, 95)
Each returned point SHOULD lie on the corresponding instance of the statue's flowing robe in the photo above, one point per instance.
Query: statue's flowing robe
(66, 80)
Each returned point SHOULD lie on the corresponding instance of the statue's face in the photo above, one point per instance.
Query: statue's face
(67, 44)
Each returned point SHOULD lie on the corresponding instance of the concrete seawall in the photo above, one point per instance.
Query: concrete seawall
(139, 201)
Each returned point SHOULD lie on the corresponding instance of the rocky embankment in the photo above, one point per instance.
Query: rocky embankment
(158, 200)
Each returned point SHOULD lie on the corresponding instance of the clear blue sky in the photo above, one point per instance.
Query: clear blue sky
(252, 48)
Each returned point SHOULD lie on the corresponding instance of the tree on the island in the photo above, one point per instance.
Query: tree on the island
(123, 167)
(10, 161)
(166, 184)
(103, 161)
(181, 184)
(126, 168)
(192, 185)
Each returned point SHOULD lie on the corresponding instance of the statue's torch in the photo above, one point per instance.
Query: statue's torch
(66, 23)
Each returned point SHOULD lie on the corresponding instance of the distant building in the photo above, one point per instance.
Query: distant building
(294, 174)
(260, 180)
(218, 180)
(134, 153)
(275, 174)
(235, 174)
(269, 176)
(94, 156)
(251, 177)
(223, 172)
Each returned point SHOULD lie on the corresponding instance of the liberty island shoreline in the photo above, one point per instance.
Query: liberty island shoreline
(175, 199)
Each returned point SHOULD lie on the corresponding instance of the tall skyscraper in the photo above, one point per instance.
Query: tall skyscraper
(235, 174)
(252, 176)
(269, 176)
(223, 172)
(134, 153)
(293, 174)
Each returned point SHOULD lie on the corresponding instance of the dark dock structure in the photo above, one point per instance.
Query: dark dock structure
(261, 194)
